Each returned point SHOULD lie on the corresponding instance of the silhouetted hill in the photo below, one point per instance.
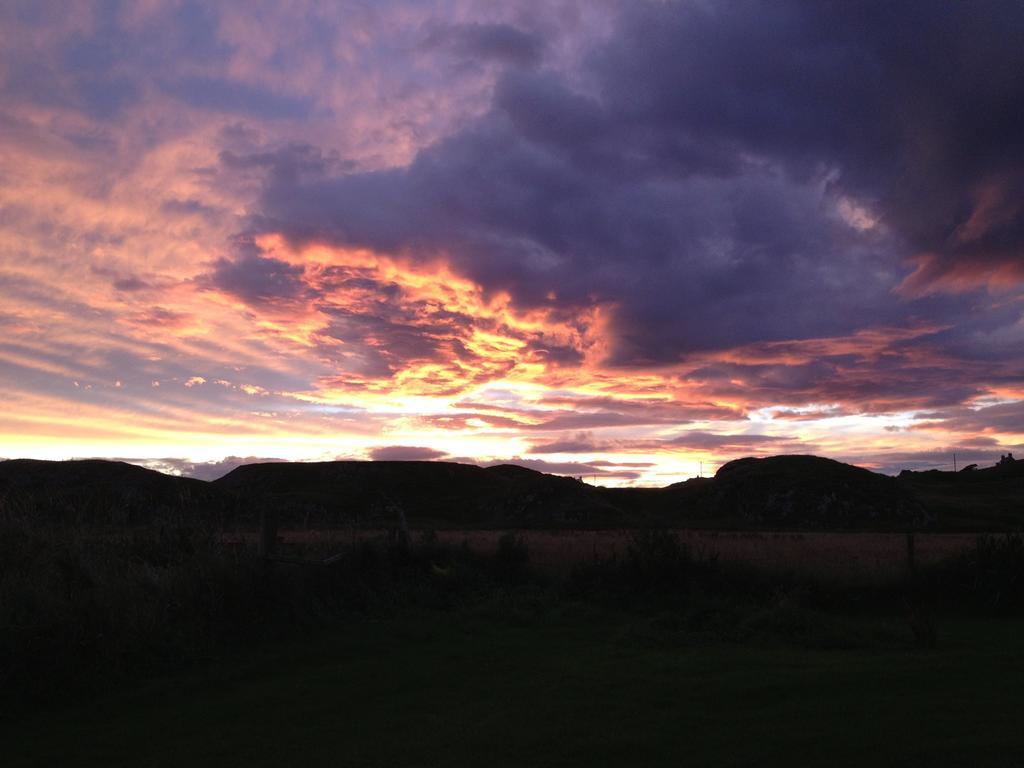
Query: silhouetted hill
(809, 492)
(664, 506)
(340, 492)
(781, 492)
(537, 498)
(989, 498)
(98, 492)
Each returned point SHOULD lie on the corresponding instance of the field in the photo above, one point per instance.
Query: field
(574, 687)
(845, 558)
(166, 645)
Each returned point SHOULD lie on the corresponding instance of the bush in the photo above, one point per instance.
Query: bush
(656, 565)
(81, 607)
(989, 576)
(511, 559)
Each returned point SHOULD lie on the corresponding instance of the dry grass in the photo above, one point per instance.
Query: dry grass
(852, 559)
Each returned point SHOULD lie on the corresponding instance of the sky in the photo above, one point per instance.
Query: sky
(627, 241)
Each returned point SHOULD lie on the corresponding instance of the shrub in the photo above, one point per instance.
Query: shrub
(81, 607)
(510, 559)
(989, 576)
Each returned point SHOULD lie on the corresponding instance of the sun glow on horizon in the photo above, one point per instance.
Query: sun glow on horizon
(395, 351)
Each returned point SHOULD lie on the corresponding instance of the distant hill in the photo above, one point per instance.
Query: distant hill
(95, 491)
(664, 505)
(988, 498)
(795, 492)
(341, 492)
(810, 492)
(779, 492)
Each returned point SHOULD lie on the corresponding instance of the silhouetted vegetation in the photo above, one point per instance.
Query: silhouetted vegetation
(81, 607)
(988, 577)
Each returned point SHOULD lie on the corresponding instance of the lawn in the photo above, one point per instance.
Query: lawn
(570, 685)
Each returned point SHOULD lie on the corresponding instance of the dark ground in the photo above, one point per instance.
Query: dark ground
(575, 687)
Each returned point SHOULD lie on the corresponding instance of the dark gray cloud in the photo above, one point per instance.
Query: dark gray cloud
(652, 410)
(578, 414)
(131, 283)
(916, 108)
(715, 180)
(594, 421)
(294, 162)
(480, 42)
(710, 441)
(189, 207)
(1005, 418)
(689, 265)
(405, 453)
(582, 442)
(585, 470)
(888, 384)
(696, 440)
(226, 95)
(107, 65)
(257, 278)
(201, 470)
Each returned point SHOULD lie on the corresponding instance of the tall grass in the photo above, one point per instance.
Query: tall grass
(81, 608)
(988, 576)
(691, 596)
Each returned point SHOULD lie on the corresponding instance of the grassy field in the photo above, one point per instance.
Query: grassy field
(573, 685)
(167, 645)
(839, 557)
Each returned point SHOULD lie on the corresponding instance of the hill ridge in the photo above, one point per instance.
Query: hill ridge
(785, 491)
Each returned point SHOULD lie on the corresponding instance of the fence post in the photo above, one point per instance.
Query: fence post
(911, 563)
(268, 533)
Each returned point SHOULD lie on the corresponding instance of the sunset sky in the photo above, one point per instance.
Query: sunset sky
(619, 240)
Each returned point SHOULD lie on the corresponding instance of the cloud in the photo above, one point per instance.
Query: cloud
(692, 440)
(571, 468)
(912, 108)
(285, 164)
(681, 264)
(188, 207)
(621, 219)
(256, 278)
(200, 470)
(583, 442)
(405, 453)
(478, 41)
(1001, 418)
(234, 96)
(131, 283)
(514, 217)
(705, 201)
(705, 441)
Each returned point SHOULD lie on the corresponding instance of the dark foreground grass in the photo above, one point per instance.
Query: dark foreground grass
(569, 686)
(165, 647)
